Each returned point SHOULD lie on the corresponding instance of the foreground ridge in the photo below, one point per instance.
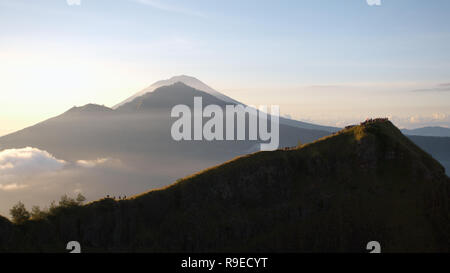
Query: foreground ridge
(367, 182)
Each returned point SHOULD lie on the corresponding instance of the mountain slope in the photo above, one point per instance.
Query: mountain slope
(169, 96)
(365, 183)
(199, 85)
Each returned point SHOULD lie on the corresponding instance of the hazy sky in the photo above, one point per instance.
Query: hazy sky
(327, 61)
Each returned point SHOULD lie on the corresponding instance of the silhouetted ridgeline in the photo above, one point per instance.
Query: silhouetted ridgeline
(365, 183)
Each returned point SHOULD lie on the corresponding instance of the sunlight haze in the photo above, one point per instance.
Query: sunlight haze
(332, 63)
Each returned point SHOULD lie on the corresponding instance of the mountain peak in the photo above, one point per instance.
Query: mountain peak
(188, 80)
(375, 142)
(88, 108)
(379, 128)
(199, 85)
(185, 79)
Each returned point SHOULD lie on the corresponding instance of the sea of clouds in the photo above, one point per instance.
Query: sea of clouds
(36, 177)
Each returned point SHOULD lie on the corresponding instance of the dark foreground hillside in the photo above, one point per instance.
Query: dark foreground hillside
(363, 184)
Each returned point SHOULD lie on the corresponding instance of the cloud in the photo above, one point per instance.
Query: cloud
(28, 161)
(12, 187)
(19, 164)
(373, 2)
(324, 86)
(73, 2)
(35, 177)
(417, 121)
(170, 8)
(98, 162)
(439, 116)
(443, 87)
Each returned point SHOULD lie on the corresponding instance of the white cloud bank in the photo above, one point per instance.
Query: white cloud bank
(27, 161)
(36, 177)
(21, 168)
(18, 164)
(110, 162)
(11, 187)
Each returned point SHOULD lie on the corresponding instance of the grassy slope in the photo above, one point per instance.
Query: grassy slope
(336, 194)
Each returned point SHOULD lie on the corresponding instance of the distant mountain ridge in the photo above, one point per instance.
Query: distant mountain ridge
(365, 183)
(428, 131)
